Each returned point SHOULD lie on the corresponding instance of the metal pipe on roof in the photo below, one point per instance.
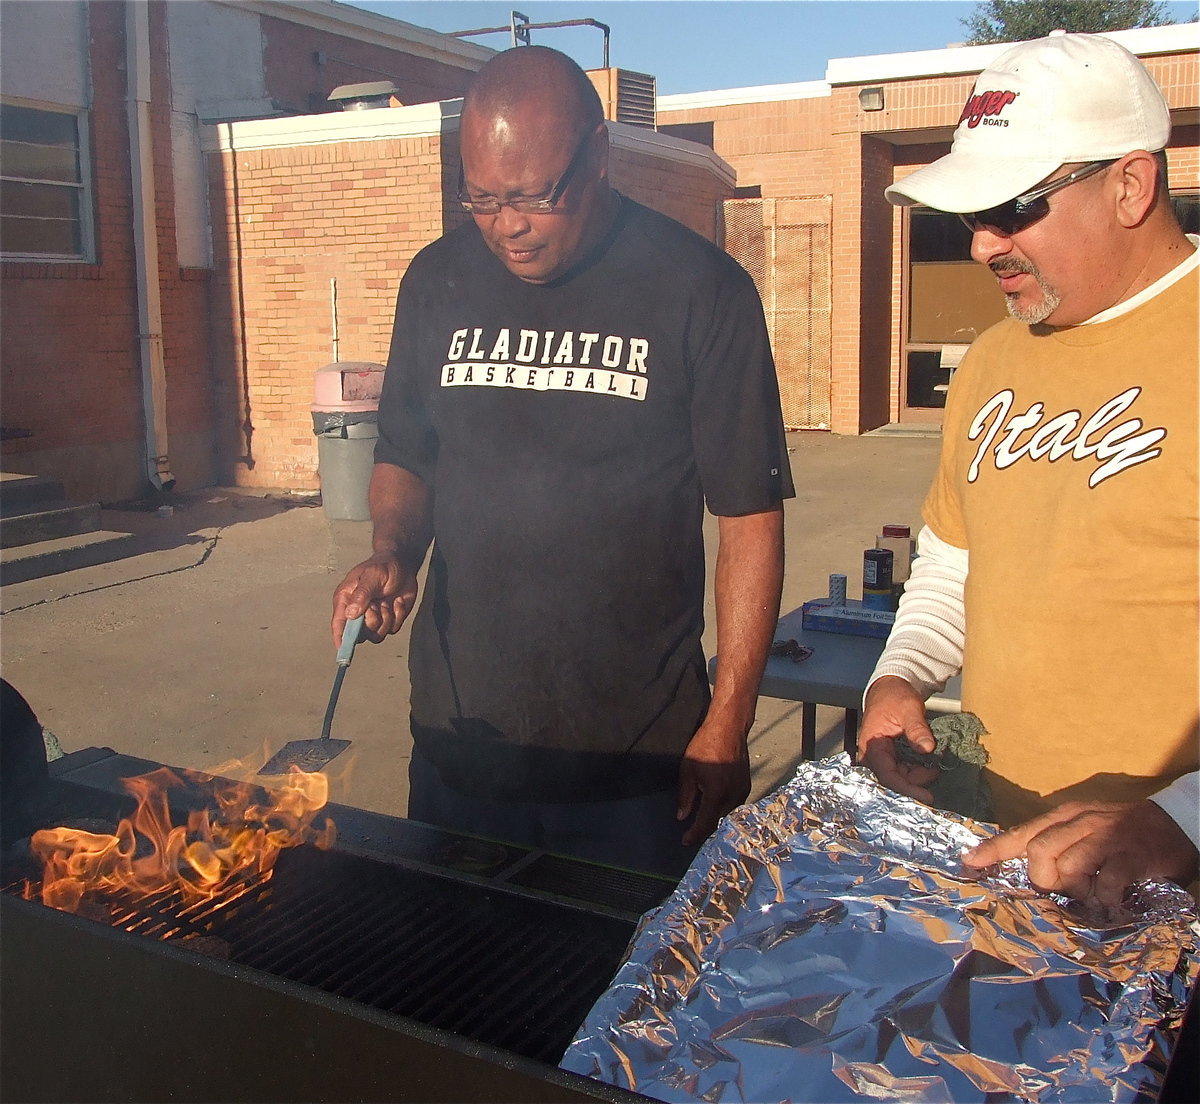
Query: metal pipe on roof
(542, 26)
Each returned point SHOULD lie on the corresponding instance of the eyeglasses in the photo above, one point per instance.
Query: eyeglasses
(535, 205)
(1018, 214)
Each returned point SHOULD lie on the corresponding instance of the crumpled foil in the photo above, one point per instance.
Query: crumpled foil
(827, 945)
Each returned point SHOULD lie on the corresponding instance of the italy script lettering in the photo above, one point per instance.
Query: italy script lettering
(1068, 434)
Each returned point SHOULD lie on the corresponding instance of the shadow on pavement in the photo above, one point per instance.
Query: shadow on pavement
(174, 520)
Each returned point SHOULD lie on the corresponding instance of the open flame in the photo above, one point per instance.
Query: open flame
(220, 850)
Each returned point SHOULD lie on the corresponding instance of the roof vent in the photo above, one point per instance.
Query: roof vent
(628, 97)
(362, 97)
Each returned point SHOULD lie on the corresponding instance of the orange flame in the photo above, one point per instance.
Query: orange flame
(219, 851)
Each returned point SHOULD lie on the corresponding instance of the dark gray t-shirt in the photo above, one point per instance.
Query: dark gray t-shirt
(572, 434)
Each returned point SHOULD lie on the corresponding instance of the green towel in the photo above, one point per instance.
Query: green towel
(960, 756)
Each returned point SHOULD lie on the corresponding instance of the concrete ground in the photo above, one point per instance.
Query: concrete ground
(211, 649)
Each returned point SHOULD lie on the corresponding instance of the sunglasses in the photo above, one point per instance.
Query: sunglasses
(1018, 214)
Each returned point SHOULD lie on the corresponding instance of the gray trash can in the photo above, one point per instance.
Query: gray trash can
(345, 414)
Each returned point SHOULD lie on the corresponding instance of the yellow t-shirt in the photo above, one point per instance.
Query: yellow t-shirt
(1069, 473)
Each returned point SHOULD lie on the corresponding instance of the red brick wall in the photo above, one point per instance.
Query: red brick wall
(290, 220)
(71, 374)
(240, 344)
(68, 364)
(690, 194)
(1178, 75)
(827, 146)
(1183, 159)
(782, 147)
(302, 84)
(877, 321)
(184, 303)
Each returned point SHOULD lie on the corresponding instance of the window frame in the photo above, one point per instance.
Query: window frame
(1192, 197)
(909, 347)
(83, 187)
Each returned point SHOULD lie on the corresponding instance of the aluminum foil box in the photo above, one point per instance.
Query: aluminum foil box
(827, 945)
(851, 617)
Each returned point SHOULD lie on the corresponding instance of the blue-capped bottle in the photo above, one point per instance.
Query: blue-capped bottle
(877, 579)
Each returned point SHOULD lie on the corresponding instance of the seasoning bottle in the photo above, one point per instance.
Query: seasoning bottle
(899, 539)
(877, 579)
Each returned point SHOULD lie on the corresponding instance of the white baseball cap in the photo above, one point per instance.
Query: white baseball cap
(1050, 102)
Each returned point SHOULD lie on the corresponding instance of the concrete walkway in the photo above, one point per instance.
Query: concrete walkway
(211, 649)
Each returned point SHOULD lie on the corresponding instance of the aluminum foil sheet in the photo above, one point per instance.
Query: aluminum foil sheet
(827, 945)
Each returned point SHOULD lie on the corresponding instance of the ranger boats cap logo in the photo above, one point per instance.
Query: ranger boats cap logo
(1058, 100)
(985, 107)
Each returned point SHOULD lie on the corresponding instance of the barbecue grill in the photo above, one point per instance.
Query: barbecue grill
(407, 963)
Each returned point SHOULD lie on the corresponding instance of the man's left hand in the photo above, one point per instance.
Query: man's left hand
(714, 777)
(1095, 849)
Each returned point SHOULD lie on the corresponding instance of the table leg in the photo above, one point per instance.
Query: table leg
(808, 730)
(850, 734)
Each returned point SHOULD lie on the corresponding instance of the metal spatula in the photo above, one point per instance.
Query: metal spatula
(312, 755)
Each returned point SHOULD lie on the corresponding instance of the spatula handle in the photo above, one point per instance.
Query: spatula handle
(350, 635)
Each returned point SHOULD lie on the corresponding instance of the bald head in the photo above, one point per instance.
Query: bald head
(532, 133)
(534, 80)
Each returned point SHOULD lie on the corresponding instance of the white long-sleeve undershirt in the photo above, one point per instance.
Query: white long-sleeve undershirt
(925, 648)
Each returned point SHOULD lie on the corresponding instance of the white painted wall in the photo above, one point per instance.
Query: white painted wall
(216, 54)
(193, 236)
(216, 57)
(43, 52)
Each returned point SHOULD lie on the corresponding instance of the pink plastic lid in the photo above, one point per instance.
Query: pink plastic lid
(347, 385)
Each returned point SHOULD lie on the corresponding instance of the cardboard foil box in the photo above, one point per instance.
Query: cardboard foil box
(852, 617)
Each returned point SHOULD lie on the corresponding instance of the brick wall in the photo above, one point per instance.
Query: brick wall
(301, 82)
(71, 374)
(68, 370)
(294, 222)
(688, 193)
(813, 146)
(783, 146)
(74, 378)
(290, 220)
(241, 343)
(1178, 75)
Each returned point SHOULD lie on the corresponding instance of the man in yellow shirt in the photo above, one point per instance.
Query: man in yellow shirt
(1058, 563)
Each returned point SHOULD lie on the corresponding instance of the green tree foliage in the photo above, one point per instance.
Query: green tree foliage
(1020, 20)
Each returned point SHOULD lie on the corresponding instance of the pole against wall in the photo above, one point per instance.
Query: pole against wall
(333, 311)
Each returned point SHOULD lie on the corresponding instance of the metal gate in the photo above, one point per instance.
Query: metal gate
(785, 248)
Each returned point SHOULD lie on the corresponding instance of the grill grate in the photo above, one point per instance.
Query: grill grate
(511, 971)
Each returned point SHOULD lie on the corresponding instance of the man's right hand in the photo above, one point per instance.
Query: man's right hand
(893, 708)
(380, 588)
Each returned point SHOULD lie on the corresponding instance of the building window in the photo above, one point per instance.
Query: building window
(700, 133)
(1187, 210)
(951, 301)
(44, 201)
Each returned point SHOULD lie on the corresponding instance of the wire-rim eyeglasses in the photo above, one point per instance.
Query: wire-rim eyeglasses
(536, 205)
